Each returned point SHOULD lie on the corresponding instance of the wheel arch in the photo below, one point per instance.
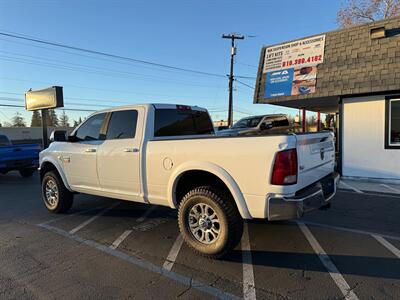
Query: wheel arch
(49, 165)
(209, 169)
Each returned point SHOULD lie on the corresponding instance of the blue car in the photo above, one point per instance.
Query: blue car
(23, 158)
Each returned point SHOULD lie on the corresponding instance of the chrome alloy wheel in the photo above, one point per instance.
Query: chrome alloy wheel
(204, 223)
(51, 190)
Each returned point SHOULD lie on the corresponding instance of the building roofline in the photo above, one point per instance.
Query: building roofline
(370, 24)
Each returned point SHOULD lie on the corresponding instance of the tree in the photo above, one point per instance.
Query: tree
(18, 120)
(52, 118)
(36, 120)
(64, 120)
(311, 121)
(76, 123)
(355, 12)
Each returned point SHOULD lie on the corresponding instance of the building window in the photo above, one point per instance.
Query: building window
(392, 138)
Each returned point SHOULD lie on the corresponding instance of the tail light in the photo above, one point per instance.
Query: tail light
(285, 168)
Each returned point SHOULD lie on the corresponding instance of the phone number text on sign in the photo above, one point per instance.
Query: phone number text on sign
(301, 61)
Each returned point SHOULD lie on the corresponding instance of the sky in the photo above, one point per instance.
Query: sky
(184, 34)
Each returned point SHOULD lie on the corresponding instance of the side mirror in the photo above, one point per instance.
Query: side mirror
(72, 139)
(58, 136)
(265, 125)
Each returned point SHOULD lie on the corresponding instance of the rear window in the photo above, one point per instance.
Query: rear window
(280, 122)
(122, 125)
(175, 122)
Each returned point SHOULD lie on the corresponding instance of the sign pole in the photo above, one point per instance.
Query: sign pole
(44, 128)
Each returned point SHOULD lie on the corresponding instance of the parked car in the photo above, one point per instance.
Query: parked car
(259, 125)
(23, 158)
(165, 154)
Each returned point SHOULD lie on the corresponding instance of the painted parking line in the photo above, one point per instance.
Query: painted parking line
(387, 245)
(87, 222)
(351, 187)
(249, 289)
(381, 195)
(71, 215)
(120, 239)
(392, 237)
(126, 233)
(146, 214)
(142, 263)
(327, 262)
(173, 253)
(390, 188)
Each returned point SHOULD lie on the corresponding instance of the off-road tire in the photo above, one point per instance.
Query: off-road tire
(27, 172)
(64, 197)
(231, 223)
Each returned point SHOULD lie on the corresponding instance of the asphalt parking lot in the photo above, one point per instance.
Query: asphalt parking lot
(112, 249)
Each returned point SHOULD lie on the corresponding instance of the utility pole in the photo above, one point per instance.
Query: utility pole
(232, 37)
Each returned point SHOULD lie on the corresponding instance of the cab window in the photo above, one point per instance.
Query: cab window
(90, 129)
(176, 122)
(122, 125)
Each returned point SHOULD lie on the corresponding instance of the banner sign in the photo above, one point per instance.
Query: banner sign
(291, 68)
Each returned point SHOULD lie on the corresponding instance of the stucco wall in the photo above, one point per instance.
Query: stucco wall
(364, 153)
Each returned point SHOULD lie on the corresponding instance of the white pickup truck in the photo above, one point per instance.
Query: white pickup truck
(165, 154)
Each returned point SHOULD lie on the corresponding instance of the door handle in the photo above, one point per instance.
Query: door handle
(131, 150)
(91, 150)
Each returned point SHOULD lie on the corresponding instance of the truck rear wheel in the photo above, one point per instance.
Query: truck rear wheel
(210, 222)
(56, 197)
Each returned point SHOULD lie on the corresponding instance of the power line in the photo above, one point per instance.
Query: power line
(246, 77)
(66, 109)
(56, 44)
(245, 84)
(69, 103)
(5, 116)
(89, 69)
(93, 88)
(87, 56)
(247, 65)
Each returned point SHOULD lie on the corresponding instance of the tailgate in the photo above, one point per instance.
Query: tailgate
(316, 156)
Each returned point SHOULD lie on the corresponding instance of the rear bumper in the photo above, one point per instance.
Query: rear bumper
(317, 195)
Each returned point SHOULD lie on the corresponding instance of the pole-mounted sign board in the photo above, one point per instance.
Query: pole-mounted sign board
(43, 99)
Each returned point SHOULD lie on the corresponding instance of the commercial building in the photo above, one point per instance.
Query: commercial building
(353, 73)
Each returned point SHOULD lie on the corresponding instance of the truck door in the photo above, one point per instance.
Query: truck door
(79, 157)
(118, 160)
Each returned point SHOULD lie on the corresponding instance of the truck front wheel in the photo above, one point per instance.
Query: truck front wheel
(56, 197)
(210, 222)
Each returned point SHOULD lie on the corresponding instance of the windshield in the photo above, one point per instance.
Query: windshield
(247, 122)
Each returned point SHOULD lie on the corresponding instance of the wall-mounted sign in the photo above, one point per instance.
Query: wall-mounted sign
(306, 52)
(47, 98)
(290, 68)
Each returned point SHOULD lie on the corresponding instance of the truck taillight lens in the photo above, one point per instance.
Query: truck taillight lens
(285, 168)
